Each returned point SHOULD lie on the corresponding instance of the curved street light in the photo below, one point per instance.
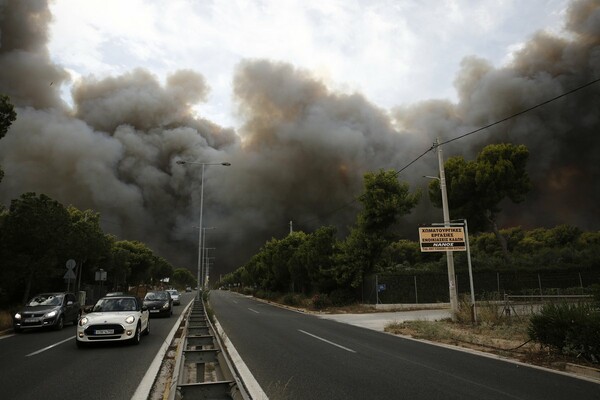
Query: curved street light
(200, 230)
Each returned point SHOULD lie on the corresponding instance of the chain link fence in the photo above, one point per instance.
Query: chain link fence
(419, 288)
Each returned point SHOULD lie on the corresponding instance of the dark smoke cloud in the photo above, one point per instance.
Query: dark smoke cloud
(302, 150)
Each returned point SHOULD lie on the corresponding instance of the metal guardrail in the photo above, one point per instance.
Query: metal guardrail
(202, 368)
(531, 304)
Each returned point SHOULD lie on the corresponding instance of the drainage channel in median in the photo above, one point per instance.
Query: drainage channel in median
(195, 366)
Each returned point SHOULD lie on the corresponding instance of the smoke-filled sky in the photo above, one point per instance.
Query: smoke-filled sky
(301, 99)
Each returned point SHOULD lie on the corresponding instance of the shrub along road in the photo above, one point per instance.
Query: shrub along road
(298, 356)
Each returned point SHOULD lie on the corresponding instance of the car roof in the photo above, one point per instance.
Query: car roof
(51, 293)
(125, 296)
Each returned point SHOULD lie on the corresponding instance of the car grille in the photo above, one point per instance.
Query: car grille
(33, 314)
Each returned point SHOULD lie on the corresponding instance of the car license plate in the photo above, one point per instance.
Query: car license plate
(105, 331)
(154, 310)
(29, 320)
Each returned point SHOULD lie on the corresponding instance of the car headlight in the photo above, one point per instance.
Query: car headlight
(83, 321)
(166, 305)
(18, 316)
(51, 314)
(130, 319)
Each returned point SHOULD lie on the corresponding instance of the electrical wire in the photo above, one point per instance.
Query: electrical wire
(435, 145)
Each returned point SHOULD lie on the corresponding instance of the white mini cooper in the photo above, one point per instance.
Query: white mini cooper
(115, 318)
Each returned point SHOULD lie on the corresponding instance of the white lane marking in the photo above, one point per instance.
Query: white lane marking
(327, 341)
(49, 347)
(250, 383)
(253, 311)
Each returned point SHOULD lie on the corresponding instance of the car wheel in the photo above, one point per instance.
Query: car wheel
(137, 336)
(60, 323)
(17, 329)
(80, 345)
(147, 330)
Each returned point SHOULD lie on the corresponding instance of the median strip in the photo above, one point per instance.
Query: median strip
(327, 341)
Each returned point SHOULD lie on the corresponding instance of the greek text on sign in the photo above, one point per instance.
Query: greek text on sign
(435, 238)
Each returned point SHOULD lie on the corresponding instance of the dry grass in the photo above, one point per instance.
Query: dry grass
(495, 333)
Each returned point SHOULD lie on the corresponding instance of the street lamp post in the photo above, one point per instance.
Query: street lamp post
(200, 230)
(203, 254)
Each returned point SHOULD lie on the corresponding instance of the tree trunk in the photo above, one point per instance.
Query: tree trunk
(501, 239)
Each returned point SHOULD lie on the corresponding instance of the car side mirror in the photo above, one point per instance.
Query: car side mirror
(88, 309)
(144, 308)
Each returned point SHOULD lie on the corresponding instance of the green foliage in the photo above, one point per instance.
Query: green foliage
(184, 277)
(38, 235)
(385, 200)
(33, 238)
(476, 188)
(7, 115)
(319, 301)
(573, 329)
(342, 297)
(291, 299)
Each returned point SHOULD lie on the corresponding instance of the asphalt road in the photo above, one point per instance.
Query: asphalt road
(300, 356)
(47, 365)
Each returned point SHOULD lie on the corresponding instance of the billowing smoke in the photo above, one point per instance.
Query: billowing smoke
(302, 150)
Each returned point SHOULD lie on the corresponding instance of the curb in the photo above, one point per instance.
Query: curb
(593, 373)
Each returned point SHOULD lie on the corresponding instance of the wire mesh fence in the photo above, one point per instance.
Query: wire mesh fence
(433, 287)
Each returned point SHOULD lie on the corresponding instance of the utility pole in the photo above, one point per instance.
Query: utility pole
(449, 255)
(291, 228)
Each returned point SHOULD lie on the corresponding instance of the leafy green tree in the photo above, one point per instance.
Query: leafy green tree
(119, 262)
(317, 254)
(86, 243)
(404, 255)
(140, 260)
(476, 188)
(289, 253)
(161, 269)
(33, 240)
(384, 201)
(184, 277)
(7, 116)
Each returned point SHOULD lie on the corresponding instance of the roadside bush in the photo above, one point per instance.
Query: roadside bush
(572, 329)
(319, 301)
(291, 299)
(341, 297)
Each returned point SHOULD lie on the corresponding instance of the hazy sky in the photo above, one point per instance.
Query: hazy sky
(317, 94)
(394, 52)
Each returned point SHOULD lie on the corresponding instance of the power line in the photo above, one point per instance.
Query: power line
(523, 111)
(468, 134)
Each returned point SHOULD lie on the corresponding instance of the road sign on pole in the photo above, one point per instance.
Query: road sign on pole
(439, 238)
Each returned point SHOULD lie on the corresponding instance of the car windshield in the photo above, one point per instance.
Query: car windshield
(46, 300)
(156, 296)
(115, 305)
(173, 292)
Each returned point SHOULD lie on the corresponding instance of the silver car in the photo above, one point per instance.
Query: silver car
(175, 296)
